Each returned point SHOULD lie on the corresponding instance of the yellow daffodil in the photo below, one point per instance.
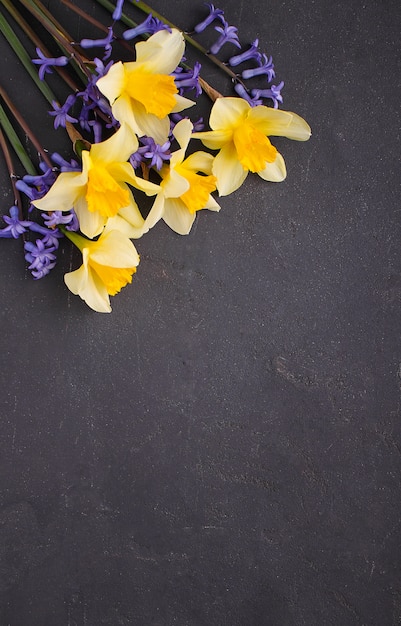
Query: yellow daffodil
(240, 133)
(100, 190)
(108, 265)
(183, 190)
(141, 92)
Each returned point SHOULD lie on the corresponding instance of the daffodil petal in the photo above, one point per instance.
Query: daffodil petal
(117, 148)
(274, 122)
(123, 112)
(214, 139)
(200, 162)
(182, 103)
(155, 213)
(90, 223)
(151, 125)
(123, 226)
(63, 193)
(274, 172)
(212, 205)
(125, 172)
(226, 113)
(228, 170)
(112, 84)
(177, 216)
(182, 132)
(115, 250)
(89, 287)
(174, 185)
(162, 52)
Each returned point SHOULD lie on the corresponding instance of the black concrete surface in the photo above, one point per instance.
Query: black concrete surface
(224, 448)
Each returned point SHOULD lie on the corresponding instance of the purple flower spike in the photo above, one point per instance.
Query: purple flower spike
(214, 14)
(274, 93)
(228, 34)
(265, 67)
(60, 113)
(251, 53)
(186, 81)
(40, 257)
(46, 63)
(155, 152)
(15, 227)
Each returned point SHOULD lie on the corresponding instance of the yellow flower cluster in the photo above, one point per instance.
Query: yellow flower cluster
(142, 95)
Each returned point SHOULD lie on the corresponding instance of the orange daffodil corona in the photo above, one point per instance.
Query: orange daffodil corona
(241, 134)
(142, 95)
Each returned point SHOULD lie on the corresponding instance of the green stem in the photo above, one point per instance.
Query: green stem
(10, 167)
(16, 144)
(38, 10)
(23, 24)
(23, 56)
(20, 120)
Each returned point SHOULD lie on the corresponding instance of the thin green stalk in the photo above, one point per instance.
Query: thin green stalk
(38, 10)
(23, 24)
(23, 56)
(10, 167)
(16, 144)
(20, 120)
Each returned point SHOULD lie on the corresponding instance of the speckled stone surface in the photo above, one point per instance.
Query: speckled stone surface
(224, 448)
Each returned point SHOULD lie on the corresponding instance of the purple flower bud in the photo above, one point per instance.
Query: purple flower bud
(60, 113)
(117, 13)
(15, 227)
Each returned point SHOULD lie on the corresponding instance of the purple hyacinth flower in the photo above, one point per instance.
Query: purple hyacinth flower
(214, 14)
(155, 152)
(15, 227)
(186, 81)
(228, 34)
(251, 53)
(46, 63)
(105, 43)
(60, 113)
(40, 257)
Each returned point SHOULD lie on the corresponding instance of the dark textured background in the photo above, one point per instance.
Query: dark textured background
(224, 448)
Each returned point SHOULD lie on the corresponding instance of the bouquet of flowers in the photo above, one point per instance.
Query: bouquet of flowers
(134, 134)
